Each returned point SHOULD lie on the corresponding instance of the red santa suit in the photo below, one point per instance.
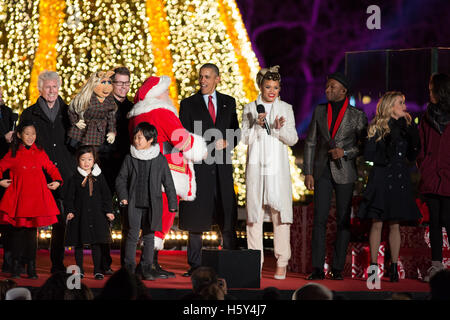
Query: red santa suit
(180, 147)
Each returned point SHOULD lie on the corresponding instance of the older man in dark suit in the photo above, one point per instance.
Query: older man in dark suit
(331, 147)
(51, 119)
(216, 200)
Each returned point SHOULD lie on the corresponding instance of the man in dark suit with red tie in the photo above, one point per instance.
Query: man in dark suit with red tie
(214, 113)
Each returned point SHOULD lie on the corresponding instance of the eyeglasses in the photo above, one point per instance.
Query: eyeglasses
(122, 83)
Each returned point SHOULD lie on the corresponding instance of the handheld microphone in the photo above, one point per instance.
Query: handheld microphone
(336, 161)
(14, 118)
(260, 108)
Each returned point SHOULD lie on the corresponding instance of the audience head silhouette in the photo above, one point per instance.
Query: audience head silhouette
(313, 291)
(440, 285)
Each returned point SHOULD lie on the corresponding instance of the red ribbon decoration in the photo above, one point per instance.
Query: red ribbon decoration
(339, 118)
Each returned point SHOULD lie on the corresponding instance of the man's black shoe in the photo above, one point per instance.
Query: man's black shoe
(158, 275)
(189, 272)
(317, 274)
(336, 275)
(99, 276)
(161, 271)
(145, 271)
(108, 272)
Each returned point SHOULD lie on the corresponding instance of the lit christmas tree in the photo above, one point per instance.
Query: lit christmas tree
(153, 37)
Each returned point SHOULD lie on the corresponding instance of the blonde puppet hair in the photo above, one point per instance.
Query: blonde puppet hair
(81, 101)
(379, 125)
(268, 74)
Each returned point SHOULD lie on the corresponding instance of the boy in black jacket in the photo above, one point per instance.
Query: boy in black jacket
(138, 186)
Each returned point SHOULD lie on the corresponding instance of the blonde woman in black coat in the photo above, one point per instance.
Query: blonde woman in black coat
(393, 140)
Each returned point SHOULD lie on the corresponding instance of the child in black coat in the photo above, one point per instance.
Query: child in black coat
(88, 205)
(139, 186)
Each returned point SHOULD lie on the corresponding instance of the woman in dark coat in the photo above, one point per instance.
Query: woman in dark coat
(88, 205)
(7, 121)
(392, 140)
(434, 165)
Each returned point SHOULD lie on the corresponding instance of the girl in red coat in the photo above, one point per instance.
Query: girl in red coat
(27, 202)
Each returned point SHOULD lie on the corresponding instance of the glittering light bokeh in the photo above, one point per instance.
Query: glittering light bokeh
(160, 33)
(102, 35)
(19, 34)
(168, 37)
(50, 20)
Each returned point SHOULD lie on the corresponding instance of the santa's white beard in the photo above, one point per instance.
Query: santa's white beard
(168, 101)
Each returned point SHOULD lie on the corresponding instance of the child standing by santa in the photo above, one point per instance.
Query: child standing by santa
(28, 202)
(88, 205)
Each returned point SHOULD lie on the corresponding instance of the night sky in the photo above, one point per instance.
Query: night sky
(309, 39)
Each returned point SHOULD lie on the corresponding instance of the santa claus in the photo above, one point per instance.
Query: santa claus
(180, 147)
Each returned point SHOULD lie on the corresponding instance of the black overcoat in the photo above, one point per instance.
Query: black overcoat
(6, 125)
(198, 215)
(90, 224)
(52, 136)
(388, 195)
(160, 175)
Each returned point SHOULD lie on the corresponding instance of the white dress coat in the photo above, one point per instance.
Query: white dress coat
(268, 177)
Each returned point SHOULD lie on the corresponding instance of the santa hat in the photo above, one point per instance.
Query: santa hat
(152, 87)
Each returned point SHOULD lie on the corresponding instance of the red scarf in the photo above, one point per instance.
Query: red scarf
(339, 118)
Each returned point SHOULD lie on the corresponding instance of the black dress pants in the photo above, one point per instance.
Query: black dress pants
(439, 208)
(140, 218)
(96, 250)
(227, 230)
(106, 257)
(6, 239)
(323, 191)
(110, 166)
(125, 229)
(57, 240)
(23, 244)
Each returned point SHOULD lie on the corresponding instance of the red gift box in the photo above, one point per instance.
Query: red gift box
(445, 242)
(361, 259)
(415, 252)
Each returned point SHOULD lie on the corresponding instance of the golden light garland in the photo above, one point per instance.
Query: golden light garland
(103, 35)
(169, 37)
(51, 18)
(19, 34)
(198, 35)
(159, 31)
(245, 60)
(249, 67)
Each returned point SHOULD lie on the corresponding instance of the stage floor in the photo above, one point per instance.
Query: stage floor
(176, 262)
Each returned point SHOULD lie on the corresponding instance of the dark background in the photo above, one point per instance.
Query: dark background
(308, 39)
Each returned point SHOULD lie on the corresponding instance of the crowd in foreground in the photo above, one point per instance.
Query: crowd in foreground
(206, 285)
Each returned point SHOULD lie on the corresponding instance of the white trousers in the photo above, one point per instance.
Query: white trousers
(281, 238)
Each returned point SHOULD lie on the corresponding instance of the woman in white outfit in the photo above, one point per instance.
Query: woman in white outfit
(268, 178)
